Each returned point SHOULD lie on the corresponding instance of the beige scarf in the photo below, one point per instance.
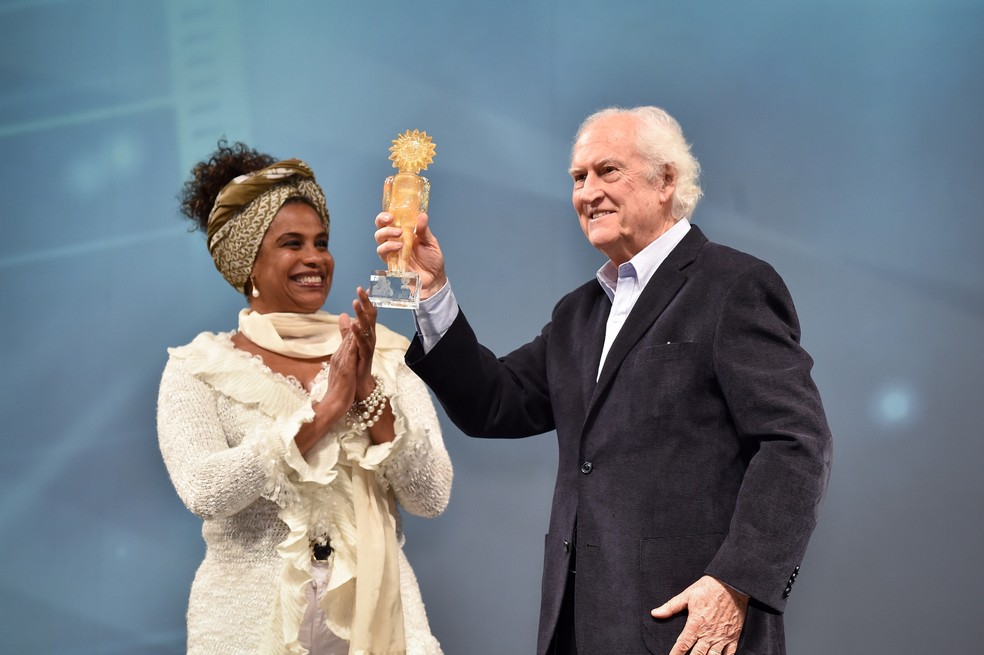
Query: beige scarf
(375, 620)
(305, 336)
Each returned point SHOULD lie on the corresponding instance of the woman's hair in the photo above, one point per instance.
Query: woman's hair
(209, 176)
(661, 142)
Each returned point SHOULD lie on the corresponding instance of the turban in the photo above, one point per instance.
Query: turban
(245, 208)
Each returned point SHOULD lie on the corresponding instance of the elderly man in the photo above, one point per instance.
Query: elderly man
(693, 447)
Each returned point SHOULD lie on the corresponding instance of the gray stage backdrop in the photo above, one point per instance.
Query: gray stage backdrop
(840, 140)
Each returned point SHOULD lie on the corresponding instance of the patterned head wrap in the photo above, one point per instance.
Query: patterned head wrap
(245, 208)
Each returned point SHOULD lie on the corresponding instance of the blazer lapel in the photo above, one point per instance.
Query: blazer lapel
(663, 286)
(593, 340)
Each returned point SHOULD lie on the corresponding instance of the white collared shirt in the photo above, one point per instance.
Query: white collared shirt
(624, 285)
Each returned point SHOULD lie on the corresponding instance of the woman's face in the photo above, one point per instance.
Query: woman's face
(293, 267)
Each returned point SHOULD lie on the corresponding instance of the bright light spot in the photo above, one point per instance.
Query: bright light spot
(895, 405)
(123, 153)
(91, 173)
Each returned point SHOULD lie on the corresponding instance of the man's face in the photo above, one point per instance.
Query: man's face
(620, 210)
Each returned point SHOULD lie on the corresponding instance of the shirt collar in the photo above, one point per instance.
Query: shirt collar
(645, 262)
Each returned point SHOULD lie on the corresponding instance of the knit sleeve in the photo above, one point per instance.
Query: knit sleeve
(212, 478)
(419, 468)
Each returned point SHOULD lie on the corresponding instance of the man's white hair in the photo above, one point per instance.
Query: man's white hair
(661, 142)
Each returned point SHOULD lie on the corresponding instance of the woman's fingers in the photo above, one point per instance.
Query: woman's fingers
(344, 324)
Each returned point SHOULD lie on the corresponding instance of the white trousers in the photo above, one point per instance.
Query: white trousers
(314, 634)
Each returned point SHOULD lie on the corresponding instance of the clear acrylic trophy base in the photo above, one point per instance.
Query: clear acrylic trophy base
(393, 289)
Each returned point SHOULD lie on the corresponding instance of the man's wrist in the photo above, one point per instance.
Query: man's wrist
(435, 315)
(435, 287)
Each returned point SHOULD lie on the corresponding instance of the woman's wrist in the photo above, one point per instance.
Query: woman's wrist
(328, 410)
(364, 389)
(366, 412)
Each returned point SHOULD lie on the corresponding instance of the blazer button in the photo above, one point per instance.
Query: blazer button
(567, 546)
(586, 468)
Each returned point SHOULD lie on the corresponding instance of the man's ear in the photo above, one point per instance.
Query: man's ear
(668, 179)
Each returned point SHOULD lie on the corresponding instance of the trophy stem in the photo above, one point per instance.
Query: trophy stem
(405, 196)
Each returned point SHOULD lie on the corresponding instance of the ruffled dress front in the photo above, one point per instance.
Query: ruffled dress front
(226, 425)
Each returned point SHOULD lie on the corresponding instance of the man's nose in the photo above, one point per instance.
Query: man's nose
(591, 189)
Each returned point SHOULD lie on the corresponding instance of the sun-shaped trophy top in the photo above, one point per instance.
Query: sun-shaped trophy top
(412, 151)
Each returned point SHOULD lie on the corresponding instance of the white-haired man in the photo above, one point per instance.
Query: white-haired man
(693, 448)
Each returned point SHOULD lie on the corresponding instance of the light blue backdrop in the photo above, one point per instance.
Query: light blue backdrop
(840, 140)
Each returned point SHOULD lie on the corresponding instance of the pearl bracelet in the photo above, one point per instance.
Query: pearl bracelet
(365, 413)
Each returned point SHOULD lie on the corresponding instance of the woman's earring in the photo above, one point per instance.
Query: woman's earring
(255, 292)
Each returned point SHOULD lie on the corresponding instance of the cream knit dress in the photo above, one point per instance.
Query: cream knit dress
(226, 424)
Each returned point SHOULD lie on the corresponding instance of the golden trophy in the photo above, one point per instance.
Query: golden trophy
(405, 195)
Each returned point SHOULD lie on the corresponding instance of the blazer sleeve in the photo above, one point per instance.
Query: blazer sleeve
(765, 377)
(483, 395)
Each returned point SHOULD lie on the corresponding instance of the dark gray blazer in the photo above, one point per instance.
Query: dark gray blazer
(702, 449)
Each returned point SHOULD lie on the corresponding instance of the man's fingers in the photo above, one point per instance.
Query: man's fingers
(673, 606)
(388, 235)
(716, 616)
(422, 230)
(688, 637)
(683, 644)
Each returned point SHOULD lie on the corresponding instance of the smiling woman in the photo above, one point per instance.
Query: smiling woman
(296, 437)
